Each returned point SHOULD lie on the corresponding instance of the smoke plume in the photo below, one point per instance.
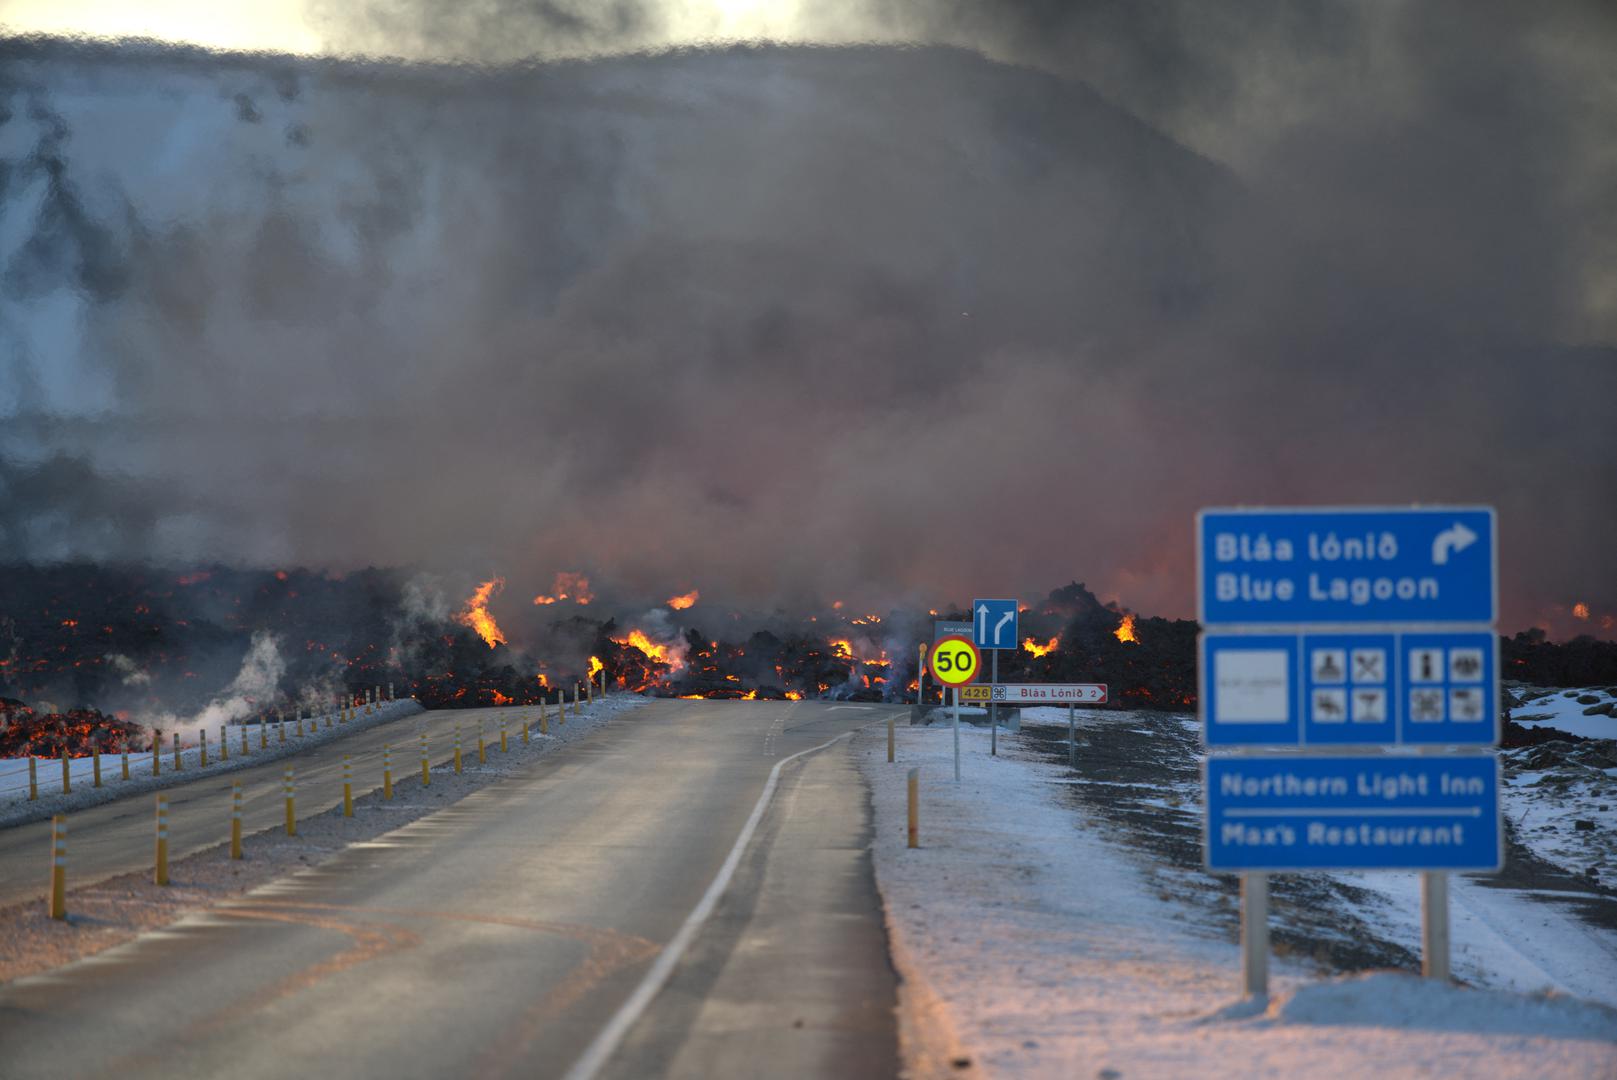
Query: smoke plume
(791, 323)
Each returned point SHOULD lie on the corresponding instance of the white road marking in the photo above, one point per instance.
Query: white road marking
(606, 1043)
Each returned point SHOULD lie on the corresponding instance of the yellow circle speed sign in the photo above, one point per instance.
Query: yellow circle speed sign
(955, 661)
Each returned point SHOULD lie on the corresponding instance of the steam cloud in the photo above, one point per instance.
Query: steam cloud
(791, 323)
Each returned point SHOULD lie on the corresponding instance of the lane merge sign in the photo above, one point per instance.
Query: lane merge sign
(993, 624)
(1382, 812)
(955, 661)
(1359, 688)
(1347, 566)
(1049, 693)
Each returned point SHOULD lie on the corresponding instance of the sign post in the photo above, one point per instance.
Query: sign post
(955, 662)
(994, 627)
(1349, 629)
(1072, 740)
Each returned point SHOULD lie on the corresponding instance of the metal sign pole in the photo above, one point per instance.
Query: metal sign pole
(1255, 935)
(957, 734)
(1072, 740)
(993, 713)
(1434, 925)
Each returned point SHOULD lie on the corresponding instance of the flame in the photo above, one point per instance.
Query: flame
(544, 683)
(793, 695)
(841, 648)
(1580, 611)
(660, 653)
(692, 697)
(596, 667)
(1040, 650)
(680, 603)
(1126, 631)
(476, 614)
(501, 699)
(567, 586)
(751, 695)
(836, 605)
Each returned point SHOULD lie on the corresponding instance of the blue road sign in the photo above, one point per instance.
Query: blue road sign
(1386, 812)
(1341, 567)
(942, 629)
(1350, 689)
(993, 624)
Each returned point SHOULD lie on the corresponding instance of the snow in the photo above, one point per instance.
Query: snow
(1562, 710)
(1034, 942)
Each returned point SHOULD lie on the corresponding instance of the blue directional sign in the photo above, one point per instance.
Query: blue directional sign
(1341, 567)
(993, 624)
(1384, 812)
(942, 628)
(1339, 688)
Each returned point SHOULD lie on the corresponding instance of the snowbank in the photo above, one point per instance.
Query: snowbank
(1053, 953)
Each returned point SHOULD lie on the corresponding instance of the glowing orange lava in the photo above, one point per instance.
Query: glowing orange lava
(1126, 631)
(1040, 650)
(663, 654)
(680, 603)
(567, 586)
(841, 648)
(476, 614)
(596, 667)
(793, 695)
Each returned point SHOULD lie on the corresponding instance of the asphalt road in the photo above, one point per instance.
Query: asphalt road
(499, 936)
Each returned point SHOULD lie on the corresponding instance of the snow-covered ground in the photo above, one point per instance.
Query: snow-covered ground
(16, 807)
(1041, 937)
(1587, 713)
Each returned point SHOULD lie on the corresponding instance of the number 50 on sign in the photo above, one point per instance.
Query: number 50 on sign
(955, 661)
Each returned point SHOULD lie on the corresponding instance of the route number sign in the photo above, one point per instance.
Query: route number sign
(955, 661)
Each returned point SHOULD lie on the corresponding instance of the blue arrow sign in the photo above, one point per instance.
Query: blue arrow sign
(1387, 812)
(993, 624)
(1274, 567)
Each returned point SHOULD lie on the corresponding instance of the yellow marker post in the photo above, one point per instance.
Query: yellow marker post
(202, 754)
(482, 751)
(126, 762)
(235, 819)
(244, 750)
(524, 730)
(67, 775)
(426, 770)
(387, 771)
(289, 789)
(58, 867)
(160, 873)
(347, 787)
(157, 751)
(457, 749)
(179, 762)
(561, 708)
(224, 743)
(95, 754)
(33, 779)
(503, 748)
(263, 733)
(283, 729)
(915, 808)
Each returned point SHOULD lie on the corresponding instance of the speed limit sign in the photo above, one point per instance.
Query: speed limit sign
(955, 661)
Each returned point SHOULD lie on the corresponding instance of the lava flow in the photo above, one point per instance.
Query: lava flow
(476, 614)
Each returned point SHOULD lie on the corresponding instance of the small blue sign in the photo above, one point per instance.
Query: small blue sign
(1350, 689)
(1343, 567)
(993, 624)
(1384, 812)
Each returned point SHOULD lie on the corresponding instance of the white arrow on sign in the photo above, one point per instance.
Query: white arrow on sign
(1007, 617)
(982, 622)
(1453, 539)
